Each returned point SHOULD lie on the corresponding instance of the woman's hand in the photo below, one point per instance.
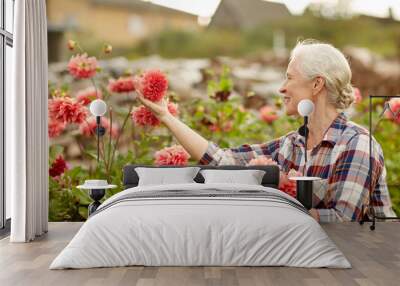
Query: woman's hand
(159, 109)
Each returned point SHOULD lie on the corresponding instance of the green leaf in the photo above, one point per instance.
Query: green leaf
(55, 151)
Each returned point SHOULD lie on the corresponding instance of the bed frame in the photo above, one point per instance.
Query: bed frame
(270, 179)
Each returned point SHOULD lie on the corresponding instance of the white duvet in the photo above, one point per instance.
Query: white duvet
(200, 231)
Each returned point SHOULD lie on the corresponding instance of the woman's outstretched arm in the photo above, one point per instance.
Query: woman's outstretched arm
(194, 143)
(207, 152)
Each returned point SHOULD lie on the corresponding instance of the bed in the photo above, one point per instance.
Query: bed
(201, 224)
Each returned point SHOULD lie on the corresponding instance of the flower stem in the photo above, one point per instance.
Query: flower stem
(79, 47)
(102, 154)
(80, 148)
(94, 85)
(104, 160)
(120, 133)
(110, 136)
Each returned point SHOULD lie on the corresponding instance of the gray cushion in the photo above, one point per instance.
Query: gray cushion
(165, 176)
(270, 179)
(249, 177)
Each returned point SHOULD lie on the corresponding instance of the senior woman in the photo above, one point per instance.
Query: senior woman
(338, 148)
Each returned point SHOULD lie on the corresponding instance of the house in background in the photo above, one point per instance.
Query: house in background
(248, 14)
(123, 23)
(120, 22)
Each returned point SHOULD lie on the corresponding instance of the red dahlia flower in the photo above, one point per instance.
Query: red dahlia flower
(67, 111)
(152, 85)
(174, 155)
(268, 114)
(86, 96)
(394, 104)
(357, 95)
(82, 66)
(58, 167)
(286, 185)
(55, 128)
(144, 116)
(121, 85)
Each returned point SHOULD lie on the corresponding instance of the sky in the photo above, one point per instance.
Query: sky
(206, 8)
(377, 8)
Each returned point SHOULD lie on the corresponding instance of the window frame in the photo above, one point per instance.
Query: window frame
(6, 39)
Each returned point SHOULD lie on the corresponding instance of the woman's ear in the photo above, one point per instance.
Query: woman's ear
(318, 84)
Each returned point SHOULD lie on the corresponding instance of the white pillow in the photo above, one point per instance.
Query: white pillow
(249, 177)
(164, 176)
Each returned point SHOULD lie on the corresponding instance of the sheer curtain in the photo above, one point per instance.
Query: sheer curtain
(26, 119)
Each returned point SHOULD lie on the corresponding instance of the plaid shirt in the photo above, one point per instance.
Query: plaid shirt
(341, 159)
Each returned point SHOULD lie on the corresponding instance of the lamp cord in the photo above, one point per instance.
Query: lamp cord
(98, 137)
(305, 147)
(305, 155)
(98, 146)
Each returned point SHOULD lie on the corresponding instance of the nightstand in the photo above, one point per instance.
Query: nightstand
(97, 190)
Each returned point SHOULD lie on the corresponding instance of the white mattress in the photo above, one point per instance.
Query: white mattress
(206, 231)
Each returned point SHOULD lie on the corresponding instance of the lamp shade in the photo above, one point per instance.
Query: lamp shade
(305, 107)
(98, 107)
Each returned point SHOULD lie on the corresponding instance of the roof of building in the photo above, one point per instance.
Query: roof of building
(246, 14)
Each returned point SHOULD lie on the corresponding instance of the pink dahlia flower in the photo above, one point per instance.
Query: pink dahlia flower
(227, 126)
(67, 111)
(82, 66)
(395, 107)
(144, 116)
(268, 114)
(121, 85)
(214, 127)
(152, 85)
(86, 96)
(55, 128)
(286, 185)
(174, 155)
(357, 95)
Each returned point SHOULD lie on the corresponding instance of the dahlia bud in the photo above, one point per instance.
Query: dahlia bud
(107, 49)
(127, 72)
(200, 108)
(278, 103)
(250, 94)
(71, 45)
(58, 93)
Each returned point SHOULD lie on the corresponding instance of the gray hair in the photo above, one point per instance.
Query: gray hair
(324, 60)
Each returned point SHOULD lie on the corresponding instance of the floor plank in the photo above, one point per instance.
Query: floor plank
(374, 255)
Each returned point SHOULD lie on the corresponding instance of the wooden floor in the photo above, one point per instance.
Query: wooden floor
(375, 257)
